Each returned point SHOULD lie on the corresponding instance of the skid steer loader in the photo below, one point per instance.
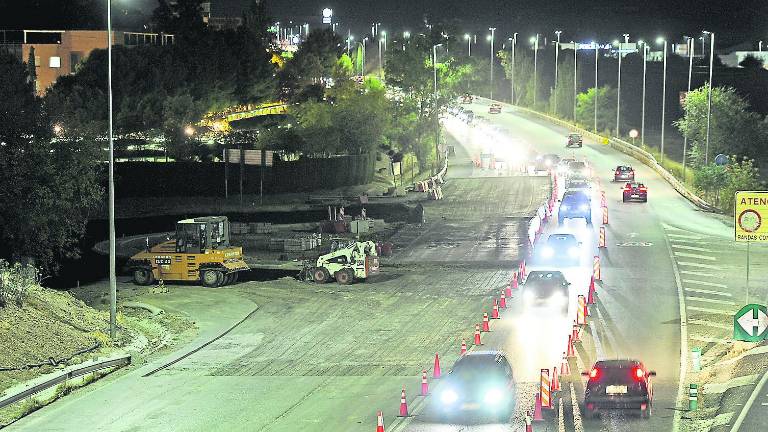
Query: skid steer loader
(200, 253)
(348, 261)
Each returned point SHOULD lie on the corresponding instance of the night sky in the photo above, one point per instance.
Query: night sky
(735, 21)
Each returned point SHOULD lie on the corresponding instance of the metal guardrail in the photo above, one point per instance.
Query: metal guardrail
(65, 376)
(634, 151)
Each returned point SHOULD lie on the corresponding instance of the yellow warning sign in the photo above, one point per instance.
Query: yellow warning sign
(751, 216)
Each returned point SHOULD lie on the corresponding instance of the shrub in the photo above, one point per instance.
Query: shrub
(15, 282)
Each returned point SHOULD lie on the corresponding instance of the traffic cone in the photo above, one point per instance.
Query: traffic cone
(477, 335)
(436, 370)
(555, 380)
(403, 404)
(591, 294)
(379, 421)
(565, 368)
(515, 282)
(528, 425)
(503, 301)
(571, 353)
(508, 289)
(495, 310)
(575, 333)
(463, 347)
(486, 328)
(537, 410)
(424, 384)
(523, 273)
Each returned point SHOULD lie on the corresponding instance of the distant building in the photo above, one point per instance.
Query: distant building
(224, 23)
(60, 52)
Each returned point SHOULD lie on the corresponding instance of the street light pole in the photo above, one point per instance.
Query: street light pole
(112, 239)
(535, 66)
(436, 113)
(618, 93)
(514, 46)
(575, 79)
(362, 64)
(646, 48)
(597, 55)
(664, 101)
(557, 54)
(469, 45)
(691, 45)
(493, 32)
(709, 93)
(381, 65)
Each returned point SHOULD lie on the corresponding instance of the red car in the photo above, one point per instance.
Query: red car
(635, 191)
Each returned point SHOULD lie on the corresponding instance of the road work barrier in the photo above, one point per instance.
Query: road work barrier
(605, 215)
(592, 292)
(545, 389)
(503, 300)
(596, 268)
(601, 238)
(633, 151)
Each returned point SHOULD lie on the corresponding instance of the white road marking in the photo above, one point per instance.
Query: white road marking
(560, 415)
(693, 248)
(695, 256)
(703, 291)
(710, 324)
(670, 227)
(709, 300)
(695, 273)
(577, 424)
(712, 311)
(685, 236)
(709, 339)
(698, 282)
(693, 264)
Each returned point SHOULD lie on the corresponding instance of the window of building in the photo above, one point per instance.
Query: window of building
(54, 62)
(37, 61)
(74, 61)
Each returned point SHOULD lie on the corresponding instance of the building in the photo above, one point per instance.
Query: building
(60, 52)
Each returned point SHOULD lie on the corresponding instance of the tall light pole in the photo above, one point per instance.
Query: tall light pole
(535, 66)
(597, 55)
(381, 65)
(514, 46)
(112, 267)
(646, 48)
(575, 79)
(709, 93)
(362, 65)
(384, 37)
(437, 115)
(406, 36)
(350, 38)
(618, 93)
(493, 33)
(663, 98)
(468, 38)
(557, 53)
(691, 44)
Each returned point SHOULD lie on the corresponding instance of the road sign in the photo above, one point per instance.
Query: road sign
(721, 160)
(750, 216)
(750, 324)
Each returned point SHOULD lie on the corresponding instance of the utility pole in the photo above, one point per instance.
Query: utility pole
(645, 69)
(618, 93)
(436, 113)
(112, 237)
(575, 79)
(597, 55)
(691, 45)
(557, 54)
(535, 66)
(493, 32)
(514, 46)
(709, 94)
(664, 102)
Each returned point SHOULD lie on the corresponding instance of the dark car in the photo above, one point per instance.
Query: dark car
(545, 289)
(578, 169)
(563, 249)
(481, 383)
(623, 173)
(574, 140)
(546, 162)
(618, 385)
(634, 191)
(574, 205)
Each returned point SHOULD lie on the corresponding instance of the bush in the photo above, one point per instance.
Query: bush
(15, 282)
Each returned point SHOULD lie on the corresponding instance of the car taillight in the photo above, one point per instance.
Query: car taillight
(638, 374)
(627, 188)
(594, 373)
(643, 188)
(618, 172)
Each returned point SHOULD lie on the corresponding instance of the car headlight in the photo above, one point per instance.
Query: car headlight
(573, 252)
(557, 299)
(528, 297)
(547, 252)
(548, 162)
(583, 207)
(449, 396)
(493, 396)
(585, 173)
(563, 207)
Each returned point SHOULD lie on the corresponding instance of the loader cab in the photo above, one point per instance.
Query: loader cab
(197, 235)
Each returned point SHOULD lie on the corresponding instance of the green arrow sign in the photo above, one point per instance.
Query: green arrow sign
(750, 324)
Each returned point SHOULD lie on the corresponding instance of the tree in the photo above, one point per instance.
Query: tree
(742, 175)
(606, 108)
(751, 62)
(32, 68)
(734, 129)
(523, 75)
(48, 186)
(562, 96)
(182, 18)
(313, 62)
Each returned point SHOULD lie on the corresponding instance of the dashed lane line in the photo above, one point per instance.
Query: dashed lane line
(710, 292)
(712, 311)
(685, 236)
(709, 339)
(691, 248)
(709, 300)
(695, 256)
(699, 265)
(710, 324)
(705, 283)
(696, 273)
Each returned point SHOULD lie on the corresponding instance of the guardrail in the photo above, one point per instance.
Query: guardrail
(65, 376)
(631, 150)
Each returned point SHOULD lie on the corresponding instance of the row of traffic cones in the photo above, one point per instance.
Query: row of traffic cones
(403, 412)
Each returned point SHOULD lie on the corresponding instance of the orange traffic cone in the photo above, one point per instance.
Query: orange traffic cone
(575, 332)
(515, 282)
(570, 347)
(436, 370)
(379, 421)
(403, 404)
(424, 384)
(477, 335)
(463, 347)
(495, 310)
(565, 368)
(503, 301)
(555, 380)
(528, 425)
(537, 410)
(591, 294)
(486, 327)
(523, 273)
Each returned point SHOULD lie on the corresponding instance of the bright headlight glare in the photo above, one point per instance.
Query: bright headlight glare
(563, 207)
(493, 396)
(547, 252)
(548, 162)
(449, 396)
(583, 207)
(573, 252)
(528, 296)
(557, 298)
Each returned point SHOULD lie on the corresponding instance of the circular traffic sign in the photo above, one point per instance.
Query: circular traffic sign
(750, 220)
(721, 159)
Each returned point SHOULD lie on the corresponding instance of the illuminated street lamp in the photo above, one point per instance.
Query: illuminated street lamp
(468, 38)
(189, 131)
(663, 96)
(58, 129)
(618, 92)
